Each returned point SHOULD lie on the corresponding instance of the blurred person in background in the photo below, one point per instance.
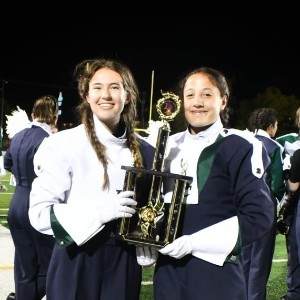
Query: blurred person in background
(257, 257)
(32, 249)
(291, 216)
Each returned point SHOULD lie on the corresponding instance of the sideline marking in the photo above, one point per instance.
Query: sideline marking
(147, 282)
(279, 260)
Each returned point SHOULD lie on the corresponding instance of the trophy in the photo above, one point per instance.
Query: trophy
(155, 222)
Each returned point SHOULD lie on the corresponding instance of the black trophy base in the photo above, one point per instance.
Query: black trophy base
(155, 223)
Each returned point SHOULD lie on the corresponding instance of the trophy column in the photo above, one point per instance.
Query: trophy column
(155, 223)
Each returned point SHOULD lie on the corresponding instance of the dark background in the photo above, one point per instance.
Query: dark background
(255, 47)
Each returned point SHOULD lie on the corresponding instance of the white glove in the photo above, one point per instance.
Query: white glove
(119, 206)
(286, 162)
(146, 255)
(179, 248)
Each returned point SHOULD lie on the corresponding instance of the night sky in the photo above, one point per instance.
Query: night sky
(254, 50)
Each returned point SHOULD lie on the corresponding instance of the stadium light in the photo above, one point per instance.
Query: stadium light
(60, 100)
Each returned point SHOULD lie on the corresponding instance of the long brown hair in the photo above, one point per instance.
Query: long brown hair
(83, 73)
(45, 110)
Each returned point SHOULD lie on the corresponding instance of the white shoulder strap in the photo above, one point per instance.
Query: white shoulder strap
(256, 159)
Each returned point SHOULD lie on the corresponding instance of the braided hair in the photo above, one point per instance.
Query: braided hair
(262, 118)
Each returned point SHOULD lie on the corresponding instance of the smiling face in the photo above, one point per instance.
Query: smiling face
(107, 97)
(202, 102)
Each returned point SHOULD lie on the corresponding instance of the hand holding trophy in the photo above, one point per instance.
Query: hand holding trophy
(155, 223)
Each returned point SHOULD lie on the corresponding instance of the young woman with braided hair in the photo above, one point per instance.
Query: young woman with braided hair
(258, 256)
(75, 196)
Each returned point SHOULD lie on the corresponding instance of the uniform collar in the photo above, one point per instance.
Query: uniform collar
(104, 134)
(208, 133)
(44, 126)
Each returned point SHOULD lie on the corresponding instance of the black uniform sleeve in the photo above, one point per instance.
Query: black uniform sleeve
(295, 167)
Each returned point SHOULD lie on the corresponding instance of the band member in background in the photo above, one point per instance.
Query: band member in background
(257, 257)
(229, 205)
(291, 143)
(32, 249)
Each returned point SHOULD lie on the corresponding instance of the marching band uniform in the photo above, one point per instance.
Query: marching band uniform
(258, 256)
(289, 141)
(229, 206)
(291, 144)
(32, 249)
(67, 201)
(293, 237)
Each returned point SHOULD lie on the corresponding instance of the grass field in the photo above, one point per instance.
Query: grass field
(276, 285)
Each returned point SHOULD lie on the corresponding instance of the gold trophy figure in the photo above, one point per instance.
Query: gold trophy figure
(155, 223)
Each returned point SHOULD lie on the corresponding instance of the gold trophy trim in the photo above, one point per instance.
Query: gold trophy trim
(168, 106)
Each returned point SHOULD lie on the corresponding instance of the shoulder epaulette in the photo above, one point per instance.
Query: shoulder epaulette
(256, 158)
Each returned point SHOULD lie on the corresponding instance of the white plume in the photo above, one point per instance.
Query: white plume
(17, 121)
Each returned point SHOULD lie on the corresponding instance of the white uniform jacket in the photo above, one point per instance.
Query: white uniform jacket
(69, 181)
